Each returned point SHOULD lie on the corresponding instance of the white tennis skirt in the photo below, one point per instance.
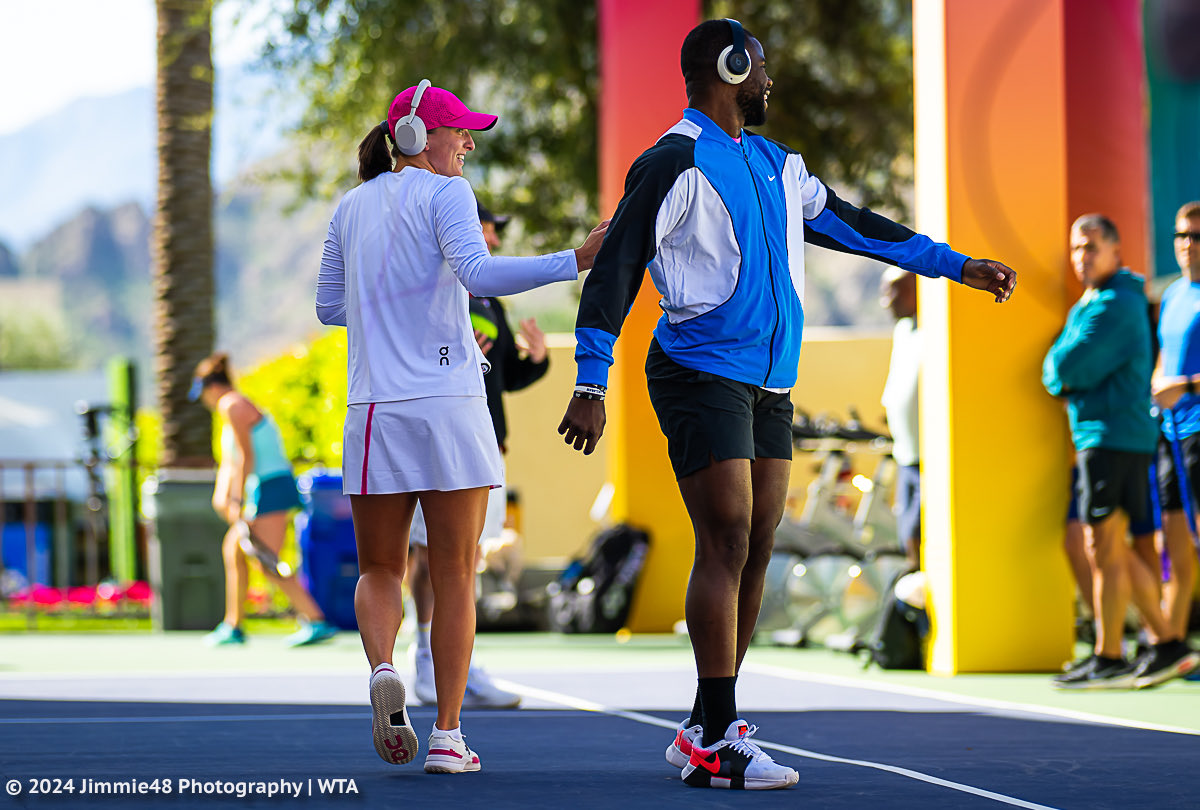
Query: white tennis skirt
(414, 445)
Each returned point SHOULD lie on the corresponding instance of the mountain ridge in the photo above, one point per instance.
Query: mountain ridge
(101, 151)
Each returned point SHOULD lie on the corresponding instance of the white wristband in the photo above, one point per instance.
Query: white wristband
(590, 391)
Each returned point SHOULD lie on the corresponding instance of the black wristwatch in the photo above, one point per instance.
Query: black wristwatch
(1190, 385)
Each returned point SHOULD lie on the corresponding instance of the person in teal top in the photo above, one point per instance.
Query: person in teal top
(270, 483)
(254, 493)
(1101, 365)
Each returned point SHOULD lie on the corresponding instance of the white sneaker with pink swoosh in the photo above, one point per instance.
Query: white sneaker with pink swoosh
(448, 754)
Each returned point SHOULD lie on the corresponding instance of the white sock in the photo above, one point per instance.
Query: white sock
(454, 733)
(423, 637)
(384, 667)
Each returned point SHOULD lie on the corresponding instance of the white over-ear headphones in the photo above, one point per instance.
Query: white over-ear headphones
(733, 65)
(410, 130)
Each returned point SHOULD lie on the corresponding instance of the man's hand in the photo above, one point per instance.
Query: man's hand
(1167, 391)
(532, 340)
(583, 424)
(990, 275)
(485, 342)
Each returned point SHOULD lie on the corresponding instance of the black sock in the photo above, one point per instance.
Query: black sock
(719, 707)
(697, 718)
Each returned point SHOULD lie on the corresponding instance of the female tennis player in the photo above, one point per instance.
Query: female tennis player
(404, 248)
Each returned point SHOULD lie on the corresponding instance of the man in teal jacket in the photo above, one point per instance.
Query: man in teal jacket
(1101, 363)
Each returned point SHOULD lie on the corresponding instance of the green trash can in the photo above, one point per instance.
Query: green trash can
(187, 576)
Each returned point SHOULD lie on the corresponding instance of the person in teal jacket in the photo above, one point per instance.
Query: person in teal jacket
(1101, 364)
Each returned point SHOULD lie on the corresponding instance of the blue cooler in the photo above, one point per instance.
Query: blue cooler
(15, 556)
(328, 556)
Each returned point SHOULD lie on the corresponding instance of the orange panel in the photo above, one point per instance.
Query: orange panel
(1020, 129)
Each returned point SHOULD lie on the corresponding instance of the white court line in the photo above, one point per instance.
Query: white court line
(591, 706)
(187, 718)
(185, 675)
(966, 700)
(365, 714)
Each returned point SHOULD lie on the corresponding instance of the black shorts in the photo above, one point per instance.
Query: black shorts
(1111, 480)
(706, 417)
(1136, 527)
(1169, 496)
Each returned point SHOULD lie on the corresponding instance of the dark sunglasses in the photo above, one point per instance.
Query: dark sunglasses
(1193, 235)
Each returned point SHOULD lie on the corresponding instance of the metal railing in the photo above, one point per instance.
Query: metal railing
(64, 565)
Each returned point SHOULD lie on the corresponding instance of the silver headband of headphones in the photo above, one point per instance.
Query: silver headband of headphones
(424, 85)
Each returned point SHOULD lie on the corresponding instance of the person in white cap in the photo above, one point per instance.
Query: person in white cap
(404, 248)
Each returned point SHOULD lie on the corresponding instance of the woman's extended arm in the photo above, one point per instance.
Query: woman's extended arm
(456, 222)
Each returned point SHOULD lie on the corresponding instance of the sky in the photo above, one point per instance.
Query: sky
(69, 49)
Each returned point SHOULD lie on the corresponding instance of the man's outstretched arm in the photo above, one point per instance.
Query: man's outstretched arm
(846, 228)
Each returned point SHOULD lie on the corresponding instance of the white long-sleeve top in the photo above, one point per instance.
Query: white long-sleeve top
(900, 392)
(402, 252)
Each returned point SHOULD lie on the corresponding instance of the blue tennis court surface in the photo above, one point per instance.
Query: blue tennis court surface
(587, 738)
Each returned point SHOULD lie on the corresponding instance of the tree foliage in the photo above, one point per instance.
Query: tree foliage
(842, 71)
(533, 64)
(305, 392)
(843, 89)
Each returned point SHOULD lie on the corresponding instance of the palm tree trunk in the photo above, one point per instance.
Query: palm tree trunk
(183, 228)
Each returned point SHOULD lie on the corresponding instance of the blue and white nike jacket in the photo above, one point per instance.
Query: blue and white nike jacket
(721, 225)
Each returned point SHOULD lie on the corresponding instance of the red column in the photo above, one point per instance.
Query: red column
(641, 97)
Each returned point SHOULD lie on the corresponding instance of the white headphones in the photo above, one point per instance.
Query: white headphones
(410, 130)
(733, 65)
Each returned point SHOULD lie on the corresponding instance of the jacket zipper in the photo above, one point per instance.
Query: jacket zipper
(770, 266)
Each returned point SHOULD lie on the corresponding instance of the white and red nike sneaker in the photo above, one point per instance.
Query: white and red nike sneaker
(680, 749)
(736, 763)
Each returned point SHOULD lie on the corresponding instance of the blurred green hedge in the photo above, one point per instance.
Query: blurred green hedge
(304, 390)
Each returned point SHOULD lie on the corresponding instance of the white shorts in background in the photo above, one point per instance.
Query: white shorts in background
(432, 443)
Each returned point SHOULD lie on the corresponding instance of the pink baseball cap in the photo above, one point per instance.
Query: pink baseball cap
(438, 108)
